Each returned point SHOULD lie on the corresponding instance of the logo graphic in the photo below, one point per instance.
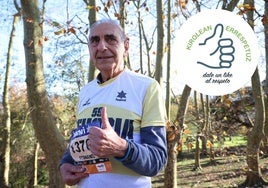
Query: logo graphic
(87, 102)
(121, 96)
(216, 52)
(225, 46)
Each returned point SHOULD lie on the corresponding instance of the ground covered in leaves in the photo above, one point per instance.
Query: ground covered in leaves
(227, 170)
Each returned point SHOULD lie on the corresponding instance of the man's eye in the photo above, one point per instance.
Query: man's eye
(111, 39)
(94, 40)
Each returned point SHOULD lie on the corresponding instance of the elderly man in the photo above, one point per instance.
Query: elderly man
(121, 137)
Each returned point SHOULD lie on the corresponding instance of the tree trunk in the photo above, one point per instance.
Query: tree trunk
(203, 127)
(160, 43)
(168, 103)
(207, 119)
(197, 165)
(92, 72)
(49, 137)
(123, 18)
(196, 108)
(265, 86)
(204, 144)
(5, 128)
(139, 21)
(148, 47)
(254, 176)
(33, 167)
(171, 169)
(33, 179)
(206, 123)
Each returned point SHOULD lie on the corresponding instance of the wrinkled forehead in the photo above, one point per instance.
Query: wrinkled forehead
(105, 29)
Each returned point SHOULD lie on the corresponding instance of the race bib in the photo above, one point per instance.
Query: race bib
(81, 153)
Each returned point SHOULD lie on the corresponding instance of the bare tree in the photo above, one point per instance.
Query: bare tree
(91, 18)
(49, 137)
(5, 128)
(255, 136)
(265, 86)
(168, 58)
(175, 132)
(160, 42)
(137, 5)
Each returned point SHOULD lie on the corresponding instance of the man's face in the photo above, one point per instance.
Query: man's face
(107, 48)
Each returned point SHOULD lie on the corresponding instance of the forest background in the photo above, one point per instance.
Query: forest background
(38, 115)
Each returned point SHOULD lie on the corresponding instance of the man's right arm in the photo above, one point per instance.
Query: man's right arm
(66, 158)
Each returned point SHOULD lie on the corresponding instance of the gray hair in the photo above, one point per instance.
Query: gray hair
(112, 22)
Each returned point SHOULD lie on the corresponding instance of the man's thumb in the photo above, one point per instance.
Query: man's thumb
(104, 118)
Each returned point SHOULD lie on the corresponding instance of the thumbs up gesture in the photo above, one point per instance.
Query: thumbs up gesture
(104, 142)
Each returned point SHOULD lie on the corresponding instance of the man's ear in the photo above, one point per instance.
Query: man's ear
(126, 45)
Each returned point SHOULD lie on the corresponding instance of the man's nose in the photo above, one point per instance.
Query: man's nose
(102, 45)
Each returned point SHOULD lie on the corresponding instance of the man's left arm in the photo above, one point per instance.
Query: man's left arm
(150, 156)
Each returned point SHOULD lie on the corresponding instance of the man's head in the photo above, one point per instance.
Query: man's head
(108, 46)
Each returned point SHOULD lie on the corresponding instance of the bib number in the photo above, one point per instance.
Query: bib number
(81, 153)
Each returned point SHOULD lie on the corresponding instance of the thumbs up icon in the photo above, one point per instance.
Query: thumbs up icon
(223, 45)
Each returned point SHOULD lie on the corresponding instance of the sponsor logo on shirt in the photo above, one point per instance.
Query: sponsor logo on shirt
(121, 96)
(87, 102)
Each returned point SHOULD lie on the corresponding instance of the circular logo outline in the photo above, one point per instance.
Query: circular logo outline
(216, 52)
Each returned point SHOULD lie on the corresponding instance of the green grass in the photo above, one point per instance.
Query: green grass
(233, 142)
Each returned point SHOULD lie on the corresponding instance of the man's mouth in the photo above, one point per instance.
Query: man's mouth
(104, 57)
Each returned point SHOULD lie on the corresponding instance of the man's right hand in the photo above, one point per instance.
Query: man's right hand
(71, 174)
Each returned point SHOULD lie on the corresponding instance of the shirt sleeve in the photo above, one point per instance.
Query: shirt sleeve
(153, 110)
(66, 158)
(149, 157)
